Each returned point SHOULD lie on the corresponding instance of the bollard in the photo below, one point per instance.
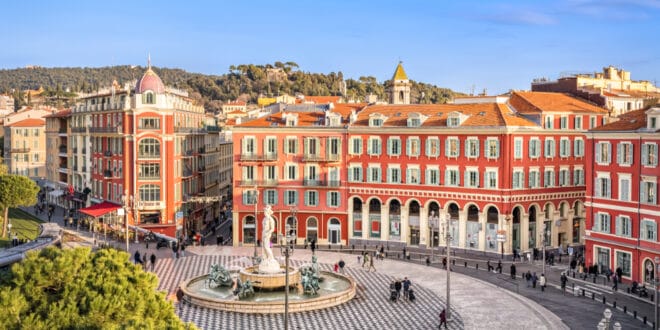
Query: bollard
(466, 264)
(594, 280)
(477, 268)
(353, 247)
(582, 292)
(635, 314)
(573, 274)
(628, 290)
(614, 305)
(603, 300)
(593, 296)
(453, 262)
(625, 309)
(645, 320)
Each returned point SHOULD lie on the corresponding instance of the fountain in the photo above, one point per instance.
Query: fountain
(260, 288)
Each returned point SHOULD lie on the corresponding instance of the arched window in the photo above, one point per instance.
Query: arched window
(148, 98)
(149, 192)
(312, 230)
(149, 148)
(249, 229)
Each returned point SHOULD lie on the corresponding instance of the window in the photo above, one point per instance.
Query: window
(624, 188)
(564, 177)
(249, 145)
(148, 98)
(603, 153)
(578, 177)
(517, 148)
(472, 148)
(602, 223)
(412, 176)
(291, 172)
(290, 197)
(291, 145)
(432, 147)
(311, 146)
(647, 191)
(649, 230)
(333, 199)
(549, 122)
(149, 123)
(563, 122)
(534, 148)
(248, 173)
(311, 198)
(518, 179)
(623, 226)
(149, 148)
(549, 150)
(149, 192)
(270, 173)
(432, 176)
(393, 175)
(356, 146)
(490, 179)
(452, 147)
(413, 147)
(564, 148)
(376, 122)
(492, 149)
(578, 122)
(334, 146)
(394, 146)
(453, 121)
(650, 154)
(471, 178)
(373, 174)
(451, 177)
(149, 171)
(592, 122)
(355, 173)
(374, 146)
(624, 153)
(578, 147)
(312, 172)
(602, 187)
(270, 146)
(414, 122)
(534, 179)
(624, 260)
(270, 197)
(549, 177)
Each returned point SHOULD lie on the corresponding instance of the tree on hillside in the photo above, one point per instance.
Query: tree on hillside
(81, 289)
(15, 191)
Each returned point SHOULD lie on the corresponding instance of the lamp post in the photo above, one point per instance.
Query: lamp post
(256, 200)
(286, 248)
(542, 239)
(447, 239)
(292, 210)
(655, 291)
(606, 322)
(433, 222)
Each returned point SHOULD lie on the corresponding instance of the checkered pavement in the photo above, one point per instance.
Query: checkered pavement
(370, 309)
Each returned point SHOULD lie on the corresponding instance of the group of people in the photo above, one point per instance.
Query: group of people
(142, 260)
(397, 285)
(498, 269)
(339, 266)
(367, 259)
(532, 279)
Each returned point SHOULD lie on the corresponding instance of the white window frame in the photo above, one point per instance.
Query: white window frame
(534, 142)
(648, 190)
(354, 169)
(488, 152)
(549, 177)
(356, 141)
(431, 172)
(519, 177)
(452, 172)
(623, 225)
(391, 142)
(491, 178)
(391, 169)
(334, 199)
(564, 147)
(649, 154)
(603, 150)
(429, 142)
(534, 174)
(472, 147)
(578, 179)
(578, 147)
(374, 169)
(518, 148)
(549, 148)
(602, 218)
(644, 231)
(577, 122)
(598, 186)
(624, 149)
(471, 177)
(409, 146)
(564, 177)
(448, 142)
(374, 141)
(625, 194)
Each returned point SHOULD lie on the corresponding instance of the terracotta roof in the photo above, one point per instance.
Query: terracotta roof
(399, 73)
(31, 122)
(629, 121)
(478, 114)
(240, 103)
(319, 99)
(60, 114)
(538, 102)
(236, 112)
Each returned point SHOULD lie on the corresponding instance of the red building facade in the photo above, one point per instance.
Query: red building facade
(622, 203)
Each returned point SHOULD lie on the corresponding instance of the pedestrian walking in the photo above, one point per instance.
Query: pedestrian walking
(336, 267)
(542, 282)
(365, 259)
(183, 249)
(371, 264)
(136, 258)
(563, 280)
(175, 251)
(534, 280)
(397, 287)
(615, 279)
(406, 287)
(341, 265)
(513, 271)
(488, 266)
(312, 246)
(499, 266)
(528, 277)
(443, 319)
(619, 273)
(153, 261)
(359, 257)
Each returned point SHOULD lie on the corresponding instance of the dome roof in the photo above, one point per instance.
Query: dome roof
(150, 81)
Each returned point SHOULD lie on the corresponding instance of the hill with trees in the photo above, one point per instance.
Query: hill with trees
(246, 82)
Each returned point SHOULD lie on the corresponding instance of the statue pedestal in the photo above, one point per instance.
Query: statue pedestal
(270, 281)
(269, 266)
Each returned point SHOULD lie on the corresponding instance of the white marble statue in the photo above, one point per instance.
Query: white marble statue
(268, 263)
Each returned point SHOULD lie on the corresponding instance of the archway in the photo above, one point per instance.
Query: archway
(249, 230)
(357, 217)
(292, 228)
(312, 229)
(492, 221)
(473, 227)
(413, 222)
(395, 219)
(334, 231)
(453, 223)
(578, 218)
(515, 235)
(374, 218)
(547, 223)
(531, 233)
(434, 224)
(649, 271)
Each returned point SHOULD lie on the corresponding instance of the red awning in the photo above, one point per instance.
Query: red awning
(100, 209)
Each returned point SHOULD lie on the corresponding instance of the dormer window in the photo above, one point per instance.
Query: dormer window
(455, 119)
(290, 119)
(376, 120)
(415, 119)
(653, 118)
(332, 119)
(149, 98)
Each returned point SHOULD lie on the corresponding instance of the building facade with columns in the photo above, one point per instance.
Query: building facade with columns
(622, 206)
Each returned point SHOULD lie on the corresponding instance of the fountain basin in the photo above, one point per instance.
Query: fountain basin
(269, 281)
(335, 290)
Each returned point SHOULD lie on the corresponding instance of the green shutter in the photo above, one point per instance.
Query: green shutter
(447, 148)
(389, 147)
(306, 198)
(389, 175)
(618, 226)
(497, 148)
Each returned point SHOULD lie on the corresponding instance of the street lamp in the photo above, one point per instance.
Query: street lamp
(256, 200)
(655, 291)
(606, 323)
(447, 239)
(286, 248)
(433, 222)
(542, 239)
(292, 231)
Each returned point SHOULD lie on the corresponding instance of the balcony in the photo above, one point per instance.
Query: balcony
(74, 149)
(105, 129)
(201, 169)
(107, 174)
(187, 173)
(20, 150)
(149, 205)
(202, 150)
(62, 130)
(314, 183)
(62, 149)
(149, 177)
(189, 130)
(255, 157)
(107, 153)
(148, 156)
(78, 129)
(321, 158)
(261, 183)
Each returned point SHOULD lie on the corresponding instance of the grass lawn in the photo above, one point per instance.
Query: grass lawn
(23, 224)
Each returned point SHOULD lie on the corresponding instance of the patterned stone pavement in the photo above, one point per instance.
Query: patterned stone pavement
(370, 309)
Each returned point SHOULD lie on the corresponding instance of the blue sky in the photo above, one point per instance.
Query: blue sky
(497, 45)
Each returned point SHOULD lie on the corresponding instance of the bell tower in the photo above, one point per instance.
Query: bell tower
(400, 86)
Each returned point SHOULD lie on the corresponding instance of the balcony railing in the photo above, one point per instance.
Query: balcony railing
(107, 174)
(20, 150)
(261, 183)
(191, 130)
(105, 129)
(259, 157)
(187, 173)
(321, 158)
(108, 153)
(148, 176)
(62, 130)
(148, 156)
(149, 205)
(78, 129)
(314, 183)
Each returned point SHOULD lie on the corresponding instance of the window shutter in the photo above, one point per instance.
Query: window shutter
(328, 198)
(245, 198)
(597, 223)
(389, 147)
(349, 175)
(618, 224)
(447, 148)
(389, 175)
(408, 175)
(428, 147)
(306, 198)
(467, 178)
(275, 199)
(619, 159)
(447, 178)
(427, 176)
(531, 148)
(645, 154)
(295, 197)
(369, 145)
(597, 188)
(467, 148)
(576, 147)
(338, 198)
(609, 152)
(497, 149)
(598, 152)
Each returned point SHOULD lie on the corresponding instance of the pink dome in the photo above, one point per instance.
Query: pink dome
(150, 82)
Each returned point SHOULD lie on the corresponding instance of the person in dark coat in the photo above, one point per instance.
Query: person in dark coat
(136, 258)
(397, 287)
(443, 319)
(513, 271)
(312, 245)
(153, 261)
